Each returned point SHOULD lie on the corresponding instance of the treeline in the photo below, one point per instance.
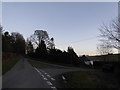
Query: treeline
(45, 49)
(39, 46)
(58, 56)
(13, 42)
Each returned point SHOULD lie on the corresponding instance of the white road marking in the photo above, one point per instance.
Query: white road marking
(52, 79)
(49, 83)
(48, 76)
(39, 72)
(63, 77)
(45, 78)
(42, 75)
(36, 69)
(54, 88)
(42, 71)
(45, 73)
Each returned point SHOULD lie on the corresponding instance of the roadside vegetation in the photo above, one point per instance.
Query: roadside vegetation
(108, 57)
(8, 61)
(13, 45)
(45, 50)
(90, 79)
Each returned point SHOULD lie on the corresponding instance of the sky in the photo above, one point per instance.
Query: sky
(72, 24)
(0, 12)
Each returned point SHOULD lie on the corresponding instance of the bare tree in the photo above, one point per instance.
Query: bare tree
(111, 34)
(29, 47)
(38, 36)
(51, 44)
(104, 49)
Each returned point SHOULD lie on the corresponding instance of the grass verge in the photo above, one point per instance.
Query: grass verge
(89, 79)
(6, 66)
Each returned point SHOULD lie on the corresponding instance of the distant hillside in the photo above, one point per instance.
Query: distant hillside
(109, 57)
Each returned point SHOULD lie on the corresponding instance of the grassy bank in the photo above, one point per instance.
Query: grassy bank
(8, 61)
(109, 57)
(90, 79)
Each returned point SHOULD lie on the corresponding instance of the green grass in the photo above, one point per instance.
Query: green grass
(87, 79)
(6, 66)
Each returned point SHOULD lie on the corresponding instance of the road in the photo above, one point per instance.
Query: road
(24, 75)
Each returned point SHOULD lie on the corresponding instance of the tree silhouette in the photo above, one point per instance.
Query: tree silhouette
(29, 47)
(50, 44)
(6, 42)
(45, 49)
(13, 43)
(74, 58)
(104, 49)
(41, 50)
(38, 36)
(111, 33)
(18, 43)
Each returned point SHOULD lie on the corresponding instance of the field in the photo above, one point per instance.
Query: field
(109, 57)
(90, 79)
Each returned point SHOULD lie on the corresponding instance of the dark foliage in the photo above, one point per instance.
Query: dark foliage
(45, 47)
(14, 43)
(108, 68)
(56, 55)
(29, 47)
(41, 50)
(45, 50)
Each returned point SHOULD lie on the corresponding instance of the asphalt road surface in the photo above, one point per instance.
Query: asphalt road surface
(24, 75)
